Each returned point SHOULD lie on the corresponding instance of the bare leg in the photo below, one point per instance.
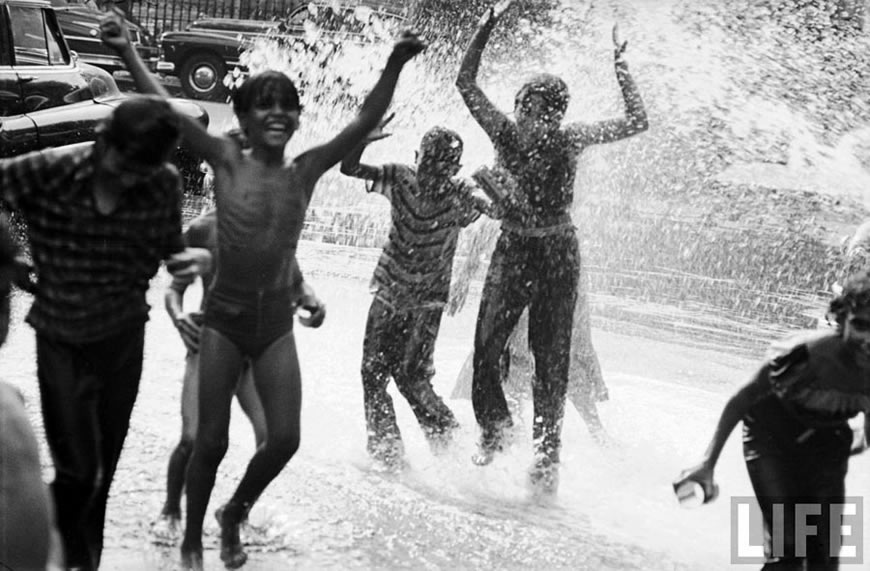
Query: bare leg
(249, 400)
(171, 513)
(586, 384)
(220, 366)
(278, 381)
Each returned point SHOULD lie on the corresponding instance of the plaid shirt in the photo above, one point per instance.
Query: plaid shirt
(93, 268)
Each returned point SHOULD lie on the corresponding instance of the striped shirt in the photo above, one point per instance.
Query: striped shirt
(415, 267)
(93, 268)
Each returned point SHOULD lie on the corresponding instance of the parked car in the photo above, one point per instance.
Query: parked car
(201, 55)
(49, 99)
(80, 22)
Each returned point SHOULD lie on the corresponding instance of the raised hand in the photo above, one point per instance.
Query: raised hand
(113, 30)
(378, 133)
(408, 45)
(494, 12)
(618, 44)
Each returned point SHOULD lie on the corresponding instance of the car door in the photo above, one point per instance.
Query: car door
(17, 131)
(55, 95)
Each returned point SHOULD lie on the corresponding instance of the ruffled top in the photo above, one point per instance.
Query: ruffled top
(818, 378)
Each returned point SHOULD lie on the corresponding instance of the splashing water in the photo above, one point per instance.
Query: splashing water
(732, 205)
(719, 225)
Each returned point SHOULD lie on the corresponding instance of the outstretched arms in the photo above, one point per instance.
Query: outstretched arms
(635, 120)
(375, 105)
(116, 36)
(482, 109)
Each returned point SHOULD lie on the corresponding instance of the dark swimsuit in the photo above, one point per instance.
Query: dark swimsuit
(258, 229)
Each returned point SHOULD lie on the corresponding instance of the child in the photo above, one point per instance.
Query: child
(261, 199)
(202, 233)
(796, 436)
(411, 284)
(536, 262)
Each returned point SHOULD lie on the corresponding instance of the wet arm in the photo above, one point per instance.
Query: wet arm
(174, 298)
(634, 122)
(736, 408)
(373, 109)
(351, 165)
(115, 35)
(482, 109)
(305, 290)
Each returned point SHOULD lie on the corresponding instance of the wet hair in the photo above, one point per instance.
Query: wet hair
(442, 144)
(553, 89)
(266, 87)
(143, 127)
(855, 297)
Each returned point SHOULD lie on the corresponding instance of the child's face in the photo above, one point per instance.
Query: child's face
(536, 116)
(431, 163)
(856, 331)
(270, 123)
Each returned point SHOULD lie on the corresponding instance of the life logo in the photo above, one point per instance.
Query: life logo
(798, 528)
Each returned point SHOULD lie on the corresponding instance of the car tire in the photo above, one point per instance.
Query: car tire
(202, 77)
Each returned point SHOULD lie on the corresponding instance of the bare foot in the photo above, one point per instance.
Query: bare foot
(544, 477)
(602, 438)
(483, 456)
(493, 440)
(441, 440)
(389, 455)
(167, 528)
(191, 559)
(232, 553)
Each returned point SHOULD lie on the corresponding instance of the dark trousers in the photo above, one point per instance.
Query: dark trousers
(87, 391)
(788, 480)
(540, 273)
(399, 344)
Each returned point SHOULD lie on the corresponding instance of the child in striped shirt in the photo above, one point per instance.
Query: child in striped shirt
(411, 282)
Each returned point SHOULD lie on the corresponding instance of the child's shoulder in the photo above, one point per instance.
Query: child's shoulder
(801, 342)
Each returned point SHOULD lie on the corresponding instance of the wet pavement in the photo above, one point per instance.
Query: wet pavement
(331, 509)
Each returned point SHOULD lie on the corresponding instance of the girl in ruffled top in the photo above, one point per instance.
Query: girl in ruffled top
(796, 436)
